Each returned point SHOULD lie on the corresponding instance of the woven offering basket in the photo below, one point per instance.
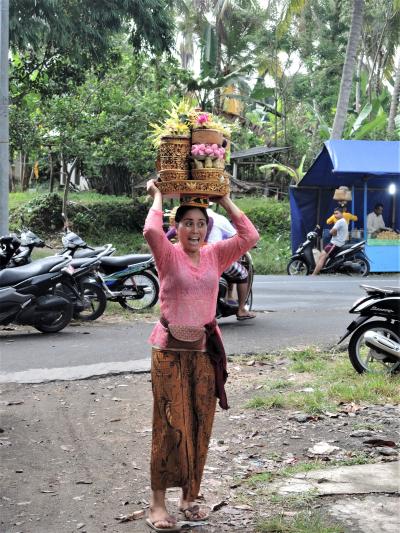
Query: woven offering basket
(175, 189)
(174, 175)
(174, 163)
(206, 136)
(207, 174)
(178, 146)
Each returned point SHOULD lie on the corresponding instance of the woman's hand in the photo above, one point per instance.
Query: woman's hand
(152, 188)
(155, 193)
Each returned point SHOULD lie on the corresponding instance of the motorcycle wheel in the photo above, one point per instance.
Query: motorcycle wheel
(297, 267)
(249, 301)
(94, 300)
(365, 359)
(141, 300)
(61, 320)
(364, 264)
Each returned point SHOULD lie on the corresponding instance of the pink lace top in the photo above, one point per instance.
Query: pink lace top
(188, 293)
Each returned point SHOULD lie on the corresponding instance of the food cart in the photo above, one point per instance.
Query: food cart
(371, 170)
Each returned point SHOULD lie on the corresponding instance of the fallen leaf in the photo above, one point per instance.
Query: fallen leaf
(80, 526)
(136, 515)
(243, 507)
(84, 482)
(323, 448)
(379, 442)
(219, 505)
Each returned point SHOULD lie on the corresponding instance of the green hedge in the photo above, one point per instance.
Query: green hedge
(43, 215)
(270, 216)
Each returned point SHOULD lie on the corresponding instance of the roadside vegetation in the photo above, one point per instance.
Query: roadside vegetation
(328, 380)
(118, 219)
(323, 386)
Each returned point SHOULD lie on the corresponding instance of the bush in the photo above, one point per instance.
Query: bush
(270, 216)
(43, 215)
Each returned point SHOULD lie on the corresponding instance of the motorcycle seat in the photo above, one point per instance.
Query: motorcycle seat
(389, 291)
(11, 276)
(125, 260)
(84, 261)
(87, 252)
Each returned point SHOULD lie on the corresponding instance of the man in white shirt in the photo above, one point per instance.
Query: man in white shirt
(375, 222)
(222, 229)
(339, 234)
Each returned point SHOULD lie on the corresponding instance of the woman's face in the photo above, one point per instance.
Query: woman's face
(192, 230)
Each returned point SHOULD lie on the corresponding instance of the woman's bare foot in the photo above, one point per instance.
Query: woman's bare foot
(160, 517)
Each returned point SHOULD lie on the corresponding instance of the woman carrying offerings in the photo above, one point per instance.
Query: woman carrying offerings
(188, 360)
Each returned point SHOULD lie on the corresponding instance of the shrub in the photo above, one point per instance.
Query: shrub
(43, 215)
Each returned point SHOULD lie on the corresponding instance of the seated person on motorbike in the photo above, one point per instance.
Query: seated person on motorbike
(339, 235)
(222, 229)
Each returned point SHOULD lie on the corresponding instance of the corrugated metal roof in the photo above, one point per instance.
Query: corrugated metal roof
(257, 150)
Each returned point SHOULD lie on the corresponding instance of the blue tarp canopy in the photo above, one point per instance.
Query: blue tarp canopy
(366, 167)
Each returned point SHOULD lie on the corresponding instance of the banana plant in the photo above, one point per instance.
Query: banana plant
(296, 174)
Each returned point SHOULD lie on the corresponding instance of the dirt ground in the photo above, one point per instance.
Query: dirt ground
(75, 455)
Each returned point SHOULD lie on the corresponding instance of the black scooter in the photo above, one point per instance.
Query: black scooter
(350, 260)
(27, 295)
(131, 280)
(375, 344)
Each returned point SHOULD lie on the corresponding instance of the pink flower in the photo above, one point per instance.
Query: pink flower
(215, 147)
(208, 150)
(203, 118)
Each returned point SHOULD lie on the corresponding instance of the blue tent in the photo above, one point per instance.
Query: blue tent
(366, 167)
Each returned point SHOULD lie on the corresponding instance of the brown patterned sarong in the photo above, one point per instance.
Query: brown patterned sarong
(183, 413)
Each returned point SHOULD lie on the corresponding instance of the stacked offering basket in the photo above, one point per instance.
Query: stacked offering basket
(206, 176)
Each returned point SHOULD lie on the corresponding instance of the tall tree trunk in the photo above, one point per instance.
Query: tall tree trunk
(394, 103)
(218, 59)
(66, 189)
(348, 70)
(51, 185)
(358, 82)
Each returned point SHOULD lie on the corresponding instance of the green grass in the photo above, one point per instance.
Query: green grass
(16, 199)
(332, 379)
(305, 522)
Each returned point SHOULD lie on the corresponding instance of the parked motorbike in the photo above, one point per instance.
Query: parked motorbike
(224, 308)
(130, 280)
(26, 295)
(350, 260)
(91, 301)
(9, 244)
(375, 344)
(76, 247)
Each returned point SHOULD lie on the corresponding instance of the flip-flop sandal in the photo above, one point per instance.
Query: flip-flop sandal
(245, 317)
(191, 512)
(152, 526)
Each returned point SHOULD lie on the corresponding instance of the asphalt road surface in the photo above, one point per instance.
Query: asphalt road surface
(292, 312)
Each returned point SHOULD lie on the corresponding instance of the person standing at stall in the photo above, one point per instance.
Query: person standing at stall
(375, 222)
(188, 360)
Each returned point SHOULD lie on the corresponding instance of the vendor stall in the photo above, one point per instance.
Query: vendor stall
(371, 170)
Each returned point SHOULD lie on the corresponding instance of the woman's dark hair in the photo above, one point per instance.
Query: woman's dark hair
(339, 208)
(183, 209)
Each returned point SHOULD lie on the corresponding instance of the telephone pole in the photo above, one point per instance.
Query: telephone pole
(4, 124)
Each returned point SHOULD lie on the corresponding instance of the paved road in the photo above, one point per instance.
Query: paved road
(292, 312)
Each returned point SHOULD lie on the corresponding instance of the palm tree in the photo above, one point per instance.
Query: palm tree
(394, 101)
(348, 69)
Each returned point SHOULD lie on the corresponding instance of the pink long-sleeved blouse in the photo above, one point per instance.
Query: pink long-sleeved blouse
(188, 293)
